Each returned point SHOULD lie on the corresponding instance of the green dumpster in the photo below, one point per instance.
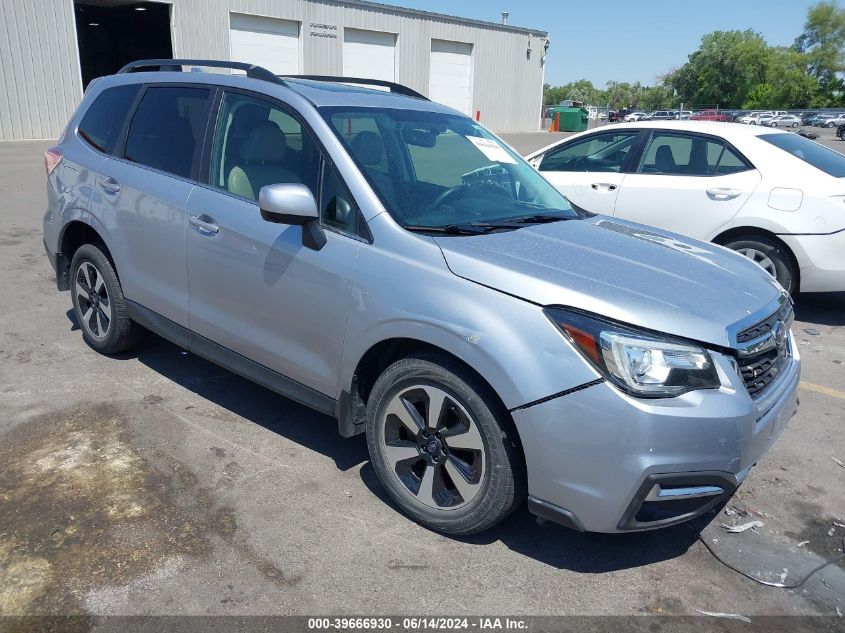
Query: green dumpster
(571, 119)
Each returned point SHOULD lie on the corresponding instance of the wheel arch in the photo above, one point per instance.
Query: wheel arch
(73, 235)
(725, 237)
(378, 357)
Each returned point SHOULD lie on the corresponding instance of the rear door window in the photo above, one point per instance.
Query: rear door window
(102, 123)
(166, 129)
(689, 155)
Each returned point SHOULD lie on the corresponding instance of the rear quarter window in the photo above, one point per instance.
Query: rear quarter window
(825, 159)
(102, 122)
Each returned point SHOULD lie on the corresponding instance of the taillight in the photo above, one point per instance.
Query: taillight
(52, 157)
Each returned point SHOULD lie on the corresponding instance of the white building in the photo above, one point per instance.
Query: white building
(50, 49)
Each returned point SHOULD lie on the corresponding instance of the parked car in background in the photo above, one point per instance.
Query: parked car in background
(766, 119)
(711, 115)
(633, 116)
(662, 115)
(683, 115)
(836, 120)
(785, 120)
(755, 117)
(822, 120)
(613, 116)
(750, 118)
(808, 117)
(769, 194)
(386, 260)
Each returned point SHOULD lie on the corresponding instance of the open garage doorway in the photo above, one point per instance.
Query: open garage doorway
(111, 33)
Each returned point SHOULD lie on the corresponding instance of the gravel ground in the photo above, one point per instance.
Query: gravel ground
(157, 483)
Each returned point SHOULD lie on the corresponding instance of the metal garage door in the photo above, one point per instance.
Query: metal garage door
(450, 78)
(370, 54)
(268, 42)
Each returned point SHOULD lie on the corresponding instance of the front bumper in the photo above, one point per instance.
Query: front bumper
(821, 260)
(602, 461)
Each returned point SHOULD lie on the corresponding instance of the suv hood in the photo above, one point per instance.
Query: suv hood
(621, 270)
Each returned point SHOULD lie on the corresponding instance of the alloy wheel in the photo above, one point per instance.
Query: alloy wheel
(433, 447)
(93, 300)
(761, 259)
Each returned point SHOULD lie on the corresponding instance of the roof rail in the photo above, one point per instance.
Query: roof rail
(394, 87)
(175, 65)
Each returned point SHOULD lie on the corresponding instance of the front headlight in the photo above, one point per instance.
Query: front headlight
(641, 363)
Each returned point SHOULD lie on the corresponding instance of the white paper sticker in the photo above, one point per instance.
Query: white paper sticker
(492, 150)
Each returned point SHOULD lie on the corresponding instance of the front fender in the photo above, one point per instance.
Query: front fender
(508, 341)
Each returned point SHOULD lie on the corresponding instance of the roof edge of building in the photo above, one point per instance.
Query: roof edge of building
(439, 16)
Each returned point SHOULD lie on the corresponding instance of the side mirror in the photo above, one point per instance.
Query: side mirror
(293, 204)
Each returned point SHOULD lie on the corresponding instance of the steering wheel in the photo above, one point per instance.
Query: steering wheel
(459, 191)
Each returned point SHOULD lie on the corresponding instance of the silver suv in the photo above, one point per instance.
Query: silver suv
(391, 263)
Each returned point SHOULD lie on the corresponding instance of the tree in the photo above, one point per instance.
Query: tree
(726, 66)
(581, 90)
(823, 43)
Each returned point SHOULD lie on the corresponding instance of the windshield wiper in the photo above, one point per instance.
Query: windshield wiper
(540, 218)
(479, 228)
(454, 229)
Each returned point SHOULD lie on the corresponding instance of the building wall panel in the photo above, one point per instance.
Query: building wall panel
(39, 68)
(40, 79)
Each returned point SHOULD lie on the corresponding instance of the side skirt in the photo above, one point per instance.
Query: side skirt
(230, 360)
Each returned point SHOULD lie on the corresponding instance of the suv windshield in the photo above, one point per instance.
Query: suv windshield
(440, 171)
(827, 160)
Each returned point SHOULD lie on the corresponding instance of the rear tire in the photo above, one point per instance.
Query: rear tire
(772, 256)
(98, 303)
(443, 446)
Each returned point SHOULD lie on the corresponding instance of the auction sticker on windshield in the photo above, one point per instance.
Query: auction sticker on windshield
(491, 149)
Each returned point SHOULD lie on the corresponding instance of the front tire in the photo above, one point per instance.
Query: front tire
(443, 446)
(98, 303)
(772, 256)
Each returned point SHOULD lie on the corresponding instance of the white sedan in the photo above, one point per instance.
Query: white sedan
(633, 116)
(772, 195)
(785, 120)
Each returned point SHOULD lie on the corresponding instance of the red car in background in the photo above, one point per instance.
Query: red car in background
(711, 115)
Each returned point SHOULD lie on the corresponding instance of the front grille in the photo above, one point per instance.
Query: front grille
(760, 370)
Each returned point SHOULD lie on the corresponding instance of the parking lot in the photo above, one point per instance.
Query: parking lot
(529, 141)
(158, 483)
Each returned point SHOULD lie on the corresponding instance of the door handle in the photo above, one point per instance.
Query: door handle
(204, 224)
(108, 184)
(718, 193)
(603, 186)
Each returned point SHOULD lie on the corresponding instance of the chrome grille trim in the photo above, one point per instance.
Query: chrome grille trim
(763, 350)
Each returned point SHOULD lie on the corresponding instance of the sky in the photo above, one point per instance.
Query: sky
(628, 40)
